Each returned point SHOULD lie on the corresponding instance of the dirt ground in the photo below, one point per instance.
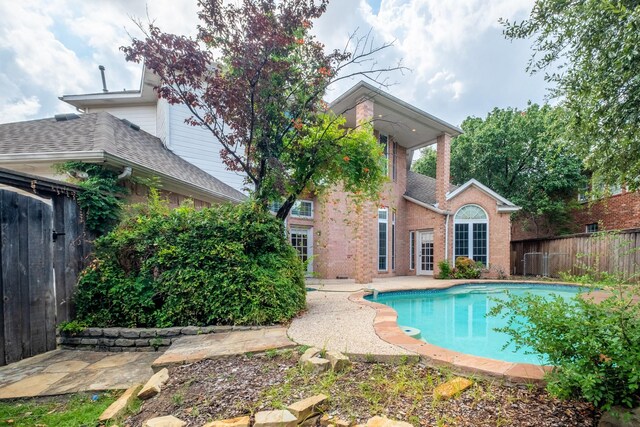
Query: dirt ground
(240, 385)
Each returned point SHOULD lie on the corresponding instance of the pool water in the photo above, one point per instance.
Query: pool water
(456, 318)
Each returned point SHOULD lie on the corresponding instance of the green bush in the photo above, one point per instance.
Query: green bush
(445, 270)
(595, 347)
(221, 265)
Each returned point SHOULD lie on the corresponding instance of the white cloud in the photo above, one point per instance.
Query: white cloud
(460, 62)
(19, 110)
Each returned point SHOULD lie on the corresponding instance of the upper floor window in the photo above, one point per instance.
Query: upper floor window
(384, 141)
(300, 209)
(394, 162)
(592, 228)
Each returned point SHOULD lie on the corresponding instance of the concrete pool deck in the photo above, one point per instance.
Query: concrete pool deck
(339, 318)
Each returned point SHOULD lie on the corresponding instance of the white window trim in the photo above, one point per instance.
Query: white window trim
(393, 236)
(412, 250)
(303, 216)
(309, 232)
(386, 241)
(470, 231)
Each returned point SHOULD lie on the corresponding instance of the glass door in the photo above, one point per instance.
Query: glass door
(425, 253)
(301, 240)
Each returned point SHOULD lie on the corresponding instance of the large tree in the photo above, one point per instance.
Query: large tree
(255, 77)
(589, 50)
(521, 155)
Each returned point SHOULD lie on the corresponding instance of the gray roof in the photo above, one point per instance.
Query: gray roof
(103, 133)
(422, 188)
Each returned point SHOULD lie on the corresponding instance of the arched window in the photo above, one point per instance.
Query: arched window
(471, 233)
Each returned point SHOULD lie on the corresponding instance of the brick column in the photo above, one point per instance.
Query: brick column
(443, 170)
(363, 253)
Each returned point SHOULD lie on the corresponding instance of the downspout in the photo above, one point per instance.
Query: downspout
(126, 173)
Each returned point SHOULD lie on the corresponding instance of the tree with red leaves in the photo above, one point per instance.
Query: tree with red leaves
(255, 77)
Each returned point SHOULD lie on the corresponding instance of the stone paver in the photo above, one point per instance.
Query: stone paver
(119, 406)
(279, 418)
(69, 371)
(199, 347)
(154, 385)
(244, 421)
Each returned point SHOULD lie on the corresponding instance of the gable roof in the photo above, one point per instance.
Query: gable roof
(101, 137)
(504, 205)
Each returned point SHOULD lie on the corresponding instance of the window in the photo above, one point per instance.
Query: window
(395, 161)
(302, 209)
(393, 240)
(384, 141)
(412, 250)
(382, 238)
(592, 228)
(471, 237)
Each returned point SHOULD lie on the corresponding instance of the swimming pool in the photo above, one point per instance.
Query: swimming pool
(456, 318)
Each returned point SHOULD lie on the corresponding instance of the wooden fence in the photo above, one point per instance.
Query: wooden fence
(43, 247)
(613, 252)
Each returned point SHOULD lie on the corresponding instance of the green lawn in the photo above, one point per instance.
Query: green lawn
(59, 411)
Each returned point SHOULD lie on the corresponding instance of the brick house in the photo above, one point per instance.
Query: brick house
(419, 221)
(617, 209)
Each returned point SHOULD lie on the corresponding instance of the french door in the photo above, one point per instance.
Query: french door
(425, 253)
(302, 241)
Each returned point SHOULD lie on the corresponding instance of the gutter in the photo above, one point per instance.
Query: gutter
(426, 205)
(169, 179)
(85, 156)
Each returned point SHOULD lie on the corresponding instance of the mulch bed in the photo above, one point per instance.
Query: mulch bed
(239, 385)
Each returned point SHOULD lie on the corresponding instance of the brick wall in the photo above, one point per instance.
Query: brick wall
(617, 212)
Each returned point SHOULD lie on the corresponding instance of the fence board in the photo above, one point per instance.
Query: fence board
(11, 277)
(37, 275)
(612, 253)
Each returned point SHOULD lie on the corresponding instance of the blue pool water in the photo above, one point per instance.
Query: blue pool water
(456, 318)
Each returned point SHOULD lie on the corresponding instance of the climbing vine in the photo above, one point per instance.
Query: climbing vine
(100, 196)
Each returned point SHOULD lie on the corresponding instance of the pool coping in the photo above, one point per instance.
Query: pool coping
(386, 327)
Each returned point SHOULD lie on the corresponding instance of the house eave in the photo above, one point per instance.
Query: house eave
(482, 187)
(426, 205)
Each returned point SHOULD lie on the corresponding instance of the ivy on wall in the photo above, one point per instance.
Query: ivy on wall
(100, 196)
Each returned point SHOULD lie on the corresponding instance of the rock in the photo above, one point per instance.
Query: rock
(303, 409)
(451, 388)
(280, 418)
(148, 333)
(317, 365)
(620, 417)
(231, 422)
(154, 385)
(190, 330)
(341, 423)
(310, 422)
(386, 422)
(119, 406)
(325, 420)
(311, 352)
(125, 342)
(168, 421)
(339, 361)
(130, 333)
(111, 332)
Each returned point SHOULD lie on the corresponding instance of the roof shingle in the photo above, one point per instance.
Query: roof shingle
(102, 132)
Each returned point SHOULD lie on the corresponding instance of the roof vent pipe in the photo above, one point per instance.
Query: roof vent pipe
(126, 173)
(104, 81)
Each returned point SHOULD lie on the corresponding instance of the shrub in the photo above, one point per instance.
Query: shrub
(593, 346)
(221, 265)
(466, 268)
(445, 270)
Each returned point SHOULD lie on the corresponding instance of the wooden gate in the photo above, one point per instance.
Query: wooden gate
(28, 302)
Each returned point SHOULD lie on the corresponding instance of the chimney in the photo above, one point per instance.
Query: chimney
(104, 81)
(443, 170)
(364, 111)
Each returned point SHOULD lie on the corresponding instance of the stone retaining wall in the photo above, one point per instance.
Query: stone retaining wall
(134, 339)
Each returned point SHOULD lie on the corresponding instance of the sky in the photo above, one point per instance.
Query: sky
(459, 62)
